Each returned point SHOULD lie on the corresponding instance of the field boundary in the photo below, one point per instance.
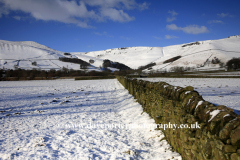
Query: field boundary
(218, 137)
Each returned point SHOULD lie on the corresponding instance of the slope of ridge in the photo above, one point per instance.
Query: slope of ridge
(26, 50)
(22, 54)
(31, 44)
(192, 54)
(133, 57)
(196, 54)
(200, 55)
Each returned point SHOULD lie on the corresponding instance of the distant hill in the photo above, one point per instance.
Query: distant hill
(29, 55)
(203, 55)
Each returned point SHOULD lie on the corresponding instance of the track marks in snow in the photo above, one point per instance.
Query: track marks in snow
(55, 119)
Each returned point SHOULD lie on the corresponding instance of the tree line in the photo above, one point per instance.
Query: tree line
(21, 74)
(36, 74)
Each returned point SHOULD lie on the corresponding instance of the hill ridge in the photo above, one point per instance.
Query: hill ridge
(195, 54)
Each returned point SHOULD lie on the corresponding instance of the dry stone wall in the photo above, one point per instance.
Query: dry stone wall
(218, 137)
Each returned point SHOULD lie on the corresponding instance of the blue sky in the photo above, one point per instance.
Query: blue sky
(91, 25)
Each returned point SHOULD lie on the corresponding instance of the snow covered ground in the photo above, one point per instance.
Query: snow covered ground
(223, 74)
(67, 119)
(219, 91)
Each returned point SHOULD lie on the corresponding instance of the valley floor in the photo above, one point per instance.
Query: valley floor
(67, 119)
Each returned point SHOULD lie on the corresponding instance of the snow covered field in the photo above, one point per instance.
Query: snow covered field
(67, 119)
(219, 74)
(219, 91)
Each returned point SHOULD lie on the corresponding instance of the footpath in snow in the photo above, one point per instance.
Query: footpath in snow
(67, 119)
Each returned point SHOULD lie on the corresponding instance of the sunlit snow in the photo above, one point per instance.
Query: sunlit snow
(53, 119)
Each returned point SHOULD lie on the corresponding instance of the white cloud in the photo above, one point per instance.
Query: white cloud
(126, 38)
(214, 21)
(171, 19)
(74, 11)
(223, 15)
(100, 34)
(170, 37)
(17, 18)
(191, 29)
(56, 10)
(157, 37)
(172, 27)
(111, 3)
(103, 34)
(116, 15)
(120, 4)
(173, 13)
(143, 6)
(195, 29)
(3, 10)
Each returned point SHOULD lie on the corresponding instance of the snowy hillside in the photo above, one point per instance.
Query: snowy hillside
(200, 55)
(197, 54)
(23, 54)
(131, 56)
